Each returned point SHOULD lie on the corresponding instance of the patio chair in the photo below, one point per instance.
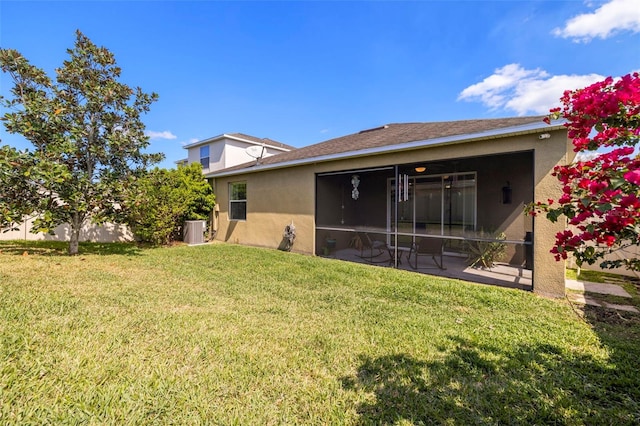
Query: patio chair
(405, 244)
(433, 247)
(368, 246)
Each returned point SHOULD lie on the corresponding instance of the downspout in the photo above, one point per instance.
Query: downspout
(213, 229)
(213, 219)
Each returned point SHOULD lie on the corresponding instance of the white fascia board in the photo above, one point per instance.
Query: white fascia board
(277, 148)
(204, 141)
(446, 140)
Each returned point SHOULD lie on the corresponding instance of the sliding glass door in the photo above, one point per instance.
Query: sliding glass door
(439, 205)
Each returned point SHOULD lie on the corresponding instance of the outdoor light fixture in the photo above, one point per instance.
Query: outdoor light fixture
(355, 181)
(506, 193)
(420, 169)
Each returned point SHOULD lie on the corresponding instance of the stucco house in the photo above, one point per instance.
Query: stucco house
(462, 184)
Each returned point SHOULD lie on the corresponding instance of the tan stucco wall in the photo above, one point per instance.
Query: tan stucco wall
(274, 199)
(277, 197)
(549, 275)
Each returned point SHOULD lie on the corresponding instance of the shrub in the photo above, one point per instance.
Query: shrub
(161, 201)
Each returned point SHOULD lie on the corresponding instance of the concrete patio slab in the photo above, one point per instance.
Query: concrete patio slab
(590, 301)
(583, 300)
(455, 267)
(626, 308)
(589, 287)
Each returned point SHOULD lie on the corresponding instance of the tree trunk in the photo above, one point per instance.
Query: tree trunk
(76, 225)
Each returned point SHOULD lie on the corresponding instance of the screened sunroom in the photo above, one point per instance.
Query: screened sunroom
(460, 218)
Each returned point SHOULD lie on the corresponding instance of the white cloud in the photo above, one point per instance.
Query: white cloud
(524, 91)
(160, 135)
(586, 156)
(608, 19)
(492, 90)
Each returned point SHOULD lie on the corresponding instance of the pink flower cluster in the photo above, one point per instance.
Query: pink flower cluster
(601, 196)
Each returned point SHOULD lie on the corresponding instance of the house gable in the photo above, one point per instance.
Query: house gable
(228, 150)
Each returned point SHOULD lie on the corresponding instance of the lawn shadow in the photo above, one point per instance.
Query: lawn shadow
(619, 331)
(60, 248)
(484, 384)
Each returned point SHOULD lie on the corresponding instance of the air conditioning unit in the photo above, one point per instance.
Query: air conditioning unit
(193, 231)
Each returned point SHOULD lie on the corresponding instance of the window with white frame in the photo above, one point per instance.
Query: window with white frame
(238, 201)
(204, 156)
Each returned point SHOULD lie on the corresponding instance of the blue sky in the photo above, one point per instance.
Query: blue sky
(304, 72)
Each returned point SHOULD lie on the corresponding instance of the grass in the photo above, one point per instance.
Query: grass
(593, 276)
(224, 334)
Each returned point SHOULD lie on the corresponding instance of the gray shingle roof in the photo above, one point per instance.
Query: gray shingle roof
(389, 135)
(266, 141)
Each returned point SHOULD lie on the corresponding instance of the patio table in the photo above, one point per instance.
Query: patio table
(398, 249)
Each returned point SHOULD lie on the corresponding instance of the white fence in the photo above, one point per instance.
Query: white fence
(627, 253)
(107, 233)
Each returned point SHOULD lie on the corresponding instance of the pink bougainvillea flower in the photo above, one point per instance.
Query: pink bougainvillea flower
(565, 199)
(633, 177)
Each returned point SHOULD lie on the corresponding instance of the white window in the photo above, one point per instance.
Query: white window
(204, 156)
(238, 201)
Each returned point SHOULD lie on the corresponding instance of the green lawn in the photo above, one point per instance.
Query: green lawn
(224, 334)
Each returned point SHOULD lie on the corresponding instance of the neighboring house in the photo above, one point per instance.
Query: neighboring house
(229, 150)
(459, 182)
(214, 154)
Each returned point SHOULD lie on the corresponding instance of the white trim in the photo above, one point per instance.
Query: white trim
(377, 169)
(530, 128)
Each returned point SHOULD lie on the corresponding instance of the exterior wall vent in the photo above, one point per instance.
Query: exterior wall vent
(374, 129)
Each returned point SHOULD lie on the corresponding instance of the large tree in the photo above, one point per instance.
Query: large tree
(601, 191)
(87, 135)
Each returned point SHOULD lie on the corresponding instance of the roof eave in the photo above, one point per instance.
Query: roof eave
(235, 138)
(425, 143)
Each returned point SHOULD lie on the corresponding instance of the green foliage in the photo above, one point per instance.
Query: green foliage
(486, 252)
(16, 169)
(87, 135)
(160, 202)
